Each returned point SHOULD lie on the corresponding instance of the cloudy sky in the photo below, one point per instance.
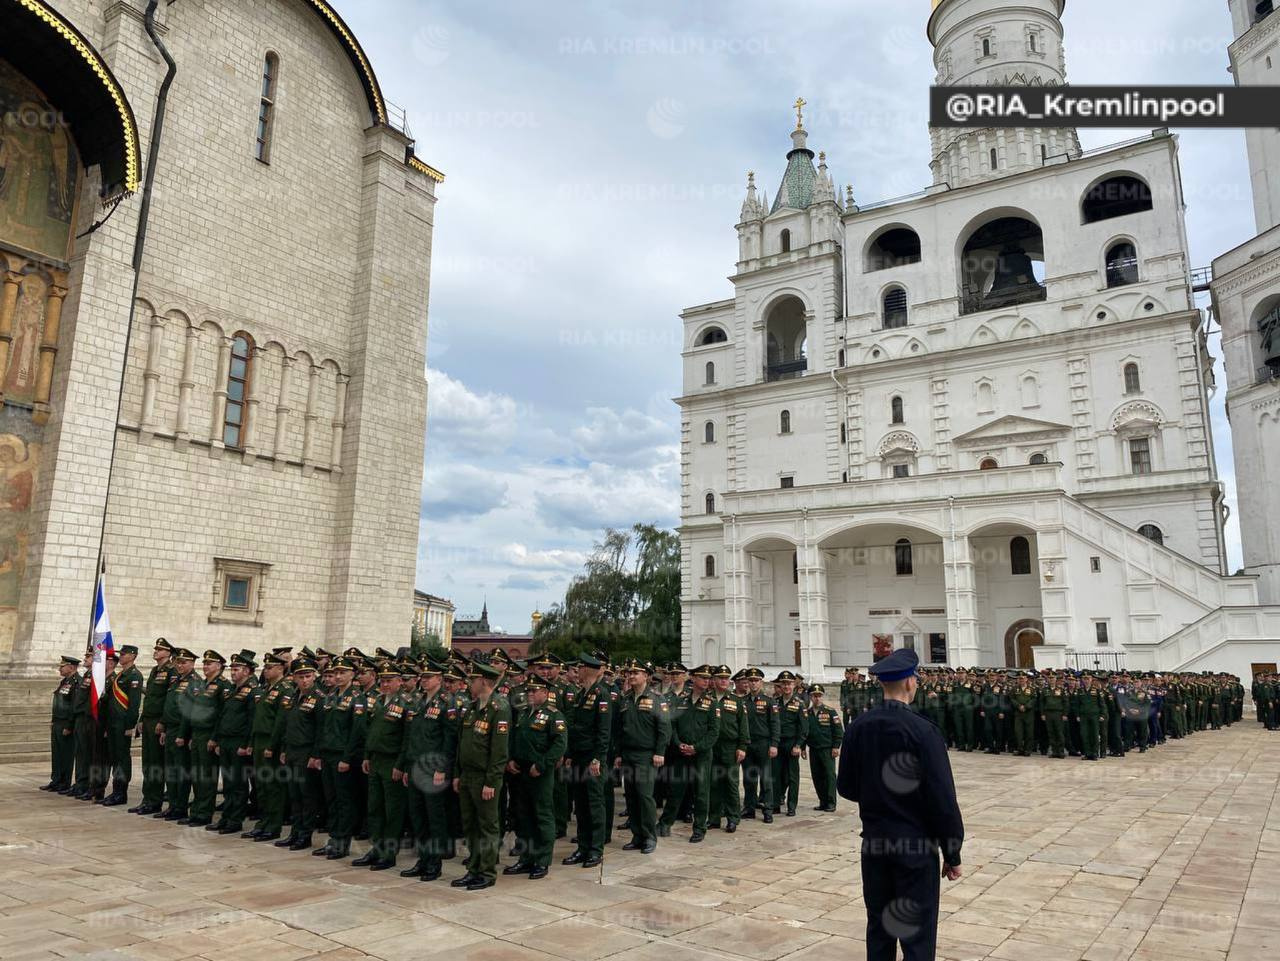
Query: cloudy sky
(596, 154)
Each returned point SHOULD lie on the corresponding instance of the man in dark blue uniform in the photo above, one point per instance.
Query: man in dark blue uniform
(894, 766)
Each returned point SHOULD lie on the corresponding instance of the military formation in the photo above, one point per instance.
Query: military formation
(417, 757)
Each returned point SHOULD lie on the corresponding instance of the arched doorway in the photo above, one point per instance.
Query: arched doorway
(1020, 641)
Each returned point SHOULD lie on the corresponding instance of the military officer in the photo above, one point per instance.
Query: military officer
(293, 743)
(539, 737)
(644, 730)
(82, 729)
(482, 758)
(124, 704)
(233, 738)
(765, 728)
(198, 728)
(695, 729)
(791, 732)
(823, 737)
(178, 700)
(152, 718)
(1089, 705)
(384, 742)
(590, 726)
(732, 741)
(62, 743)
(272, 791)
(1054, 705)
(426, 763)
(1022, 704)
(337, 740)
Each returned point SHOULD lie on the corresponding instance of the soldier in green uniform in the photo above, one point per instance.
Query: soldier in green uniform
(823, 736)
(590, 721)
(82, 731)
(341, 711)
(426, 762)
(846, 695)
(62, 742)
(732, 741)
(539, 737)
(764, 726)
(233, 739)
(1089, 705)
(482, 758)
(1137, 715)
(1054, 705)
(267, 773)
(152, 717)
(124, 704)
(177, 751)
(695, 729)
(384, 741)
(1022, 705)
(791, 732)
(198, 728)
(964, 701)
(644, 731)
(293, 742)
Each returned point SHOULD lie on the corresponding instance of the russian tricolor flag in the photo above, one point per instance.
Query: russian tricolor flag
(103, 645)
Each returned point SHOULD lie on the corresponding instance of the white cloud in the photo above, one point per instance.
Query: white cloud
(459, 419)
(459, 490)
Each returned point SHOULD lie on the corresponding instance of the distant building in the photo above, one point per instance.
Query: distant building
(466, 627)
(434, 615)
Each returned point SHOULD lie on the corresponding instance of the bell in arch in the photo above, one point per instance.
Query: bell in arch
(1015, 279)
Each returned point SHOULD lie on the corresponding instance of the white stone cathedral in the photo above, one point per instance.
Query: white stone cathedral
(973, 421)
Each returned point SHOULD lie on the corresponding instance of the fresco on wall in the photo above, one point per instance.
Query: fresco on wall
(20, 450)
(24, 350)
(38, 170)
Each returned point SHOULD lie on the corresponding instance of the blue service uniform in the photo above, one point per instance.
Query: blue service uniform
(894, 766)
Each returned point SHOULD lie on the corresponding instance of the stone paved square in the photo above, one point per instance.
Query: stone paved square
(1167, 856)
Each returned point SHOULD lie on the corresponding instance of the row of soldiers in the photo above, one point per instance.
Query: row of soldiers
(1266, 697)
(1059, 712)
(386, 746)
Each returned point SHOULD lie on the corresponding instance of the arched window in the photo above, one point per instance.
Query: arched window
(988, 463)
(267, 106)
(1116, 197)
(1002, 264)
(902, 557)
(895, 411)
(711, 373)
(709, 432)
(840, 357)
(709, 566)
(713, 335)
(844, 433)
(1132, 379)
(711, 503)
(893, 248)
(986, 46)
(895, 308)
(237, 390)
(1152, 533)
(1122, 264)
(785, 238)
(1031, 40)
(784, 422)
(1030, 391)
(1020, 556)
(1037, 460)
(995, 159)
(986, 397)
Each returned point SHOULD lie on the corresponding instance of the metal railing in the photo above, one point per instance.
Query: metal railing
(785, 370)
(1266, 374)
(1201, 278)
(974, 303)
(1095, 660)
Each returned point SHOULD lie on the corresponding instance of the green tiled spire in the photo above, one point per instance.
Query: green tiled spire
(798, 183)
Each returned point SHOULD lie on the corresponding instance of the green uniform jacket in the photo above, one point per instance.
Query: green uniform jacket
(235, 721)
(297, 724)
(540, 738)
(64, 699)
(1022, 701)
(266, 707)
(384, 731)
(644, 725)
(697, 723)
(735, 731)
(482, 742)
(1054, 702)
(205, 699)
(177, 702)
(124, 700)
(84, 691)
(791, 721)
(763, 722)
(1089, 704)
(431, 737)
(825, 729)
(590, 722)
(156, 690)
(338, 716)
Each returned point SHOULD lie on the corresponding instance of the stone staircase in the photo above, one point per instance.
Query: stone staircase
(24, 720)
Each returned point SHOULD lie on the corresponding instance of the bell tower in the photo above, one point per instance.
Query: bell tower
(997, 43)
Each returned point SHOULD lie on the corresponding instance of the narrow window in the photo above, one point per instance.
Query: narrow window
(1031, 38)
(995, 160)
(844, 477)
(902, 557)
(1140, 455)
(709, 433)
(988, 463)
(1152, 533)
(795, 567)
(1020, 556)
(784, 422)
(237, 593)
(711, 503)
(1095, 565)
(711, 373)
(1132, 379)
(1038, 459)
(786, 241)
(237, 391)
(901, 470)
(1044, 153)
(895, 308)
(1101, 632)
(895, 409)
(840, 358)
(986, 47)
(788, 482)
(1122, 264)
(844, 434)
(709, 566)
(267, 106)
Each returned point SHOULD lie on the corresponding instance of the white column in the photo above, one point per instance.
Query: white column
(310, 418)
(738, 623)
(151, 375)
(220, 395)
(249, 440)
(1060, 630)
(282, 412)
(962, 603)
(339, 422)
(815, 621)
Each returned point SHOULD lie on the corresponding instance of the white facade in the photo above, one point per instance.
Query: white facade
(944, 421)
(1246, 302)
